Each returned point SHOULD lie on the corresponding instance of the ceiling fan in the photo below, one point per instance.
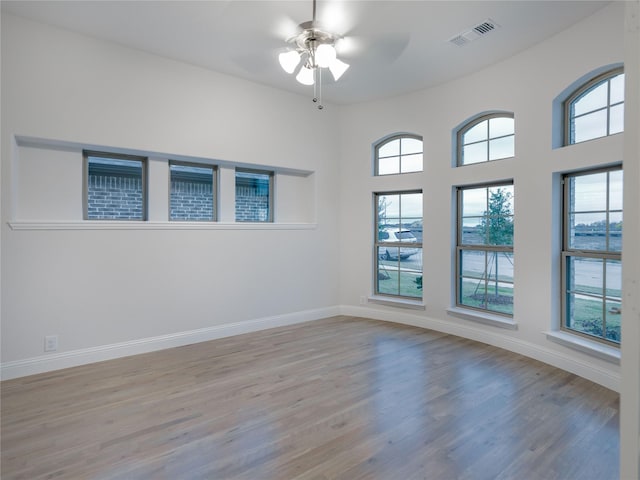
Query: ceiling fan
(313, 49)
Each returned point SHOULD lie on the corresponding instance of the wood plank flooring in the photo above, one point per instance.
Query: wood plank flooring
(339, 398)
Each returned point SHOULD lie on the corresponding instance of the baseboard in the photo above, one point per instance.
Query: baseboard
(74, 358)
(567, 362)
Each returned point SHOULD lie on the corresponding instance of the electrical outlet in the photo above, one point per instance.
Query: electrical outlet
(50, 343)
(363, 300)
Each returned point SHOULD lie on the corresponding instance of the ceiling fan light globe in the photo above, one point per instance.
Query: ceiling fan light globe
(305, 76)
(289, 60)
(337, 68)
(325, 55)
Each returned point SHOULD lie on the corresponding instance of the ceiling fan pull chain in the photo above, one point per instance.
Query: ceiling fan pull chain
(320, 106)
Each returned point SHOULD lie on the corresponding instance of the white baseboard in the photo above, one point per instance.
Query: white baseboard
(568, 361)
(74, 358)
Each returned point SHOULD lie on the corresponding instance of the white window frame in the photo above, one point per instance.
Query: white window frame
(400, 155)
(584, 89)
(569, 253)
(471, 124)
(378, 243)
(113, 156)
(484, 247)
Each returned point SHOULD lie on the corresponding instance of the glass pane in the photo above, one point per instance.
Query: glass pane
(588, 231)
(586, 314)
(388, 209)
(411, 145)
(472, 293)
(474, 153)
(474, 202)
(191, 196)
(390, 149)
(253, 197)
(589, 192)
(586, 275)
(411, 163)
(501, 126)
(388, 166)
(472, 263)
(410, 272)
(616, 119)
(615, 190)
(501, 148)
(615, 232)
(473, 231)
(500, 266)
(411, 208)
(476, 133)
(500, 230)
(501, 200)
(388, 274)
(114, 189)
(593, 99)
(616, 92)
(613, 321)
(593, 125)
(614, 279)
(502, 301)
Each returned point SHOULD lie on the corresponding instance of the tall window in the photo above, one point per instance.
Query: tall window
(398, 244)
(115, 187)
(591, 267)
(254, 196)
(487, 138)
(192, 192)
(485, 248)
(399, 154)
(596, 109)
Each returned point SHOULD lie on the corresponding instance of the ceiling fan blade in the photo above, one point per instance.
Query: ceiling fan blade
(285, 28)
(386, 48)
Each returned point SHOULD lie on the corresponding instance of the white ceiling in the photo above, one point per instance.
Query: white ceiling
(393, 47)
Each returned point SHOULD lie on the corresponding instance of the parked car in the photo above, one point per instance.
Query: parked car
(396, 235)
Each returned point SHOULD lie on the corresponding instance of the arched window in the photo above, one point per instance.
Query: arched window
(596, 109)
(398, 154)
(486, 138)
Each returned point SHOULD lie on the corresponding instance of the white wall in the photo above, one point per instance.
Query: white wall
(96, 288)
(525, 84)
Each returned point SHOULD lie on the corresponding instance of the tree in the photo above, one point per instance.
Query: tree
(497, 223)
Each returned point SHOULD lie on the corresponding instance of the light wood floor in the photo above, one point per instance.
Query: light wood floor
(341, 398)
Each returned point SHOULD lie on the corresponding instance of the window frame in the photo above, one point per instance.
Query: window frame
(568, 252)
(579, 93)
(385, 141)
(214, 189)
(113, 156)
(486, 248)
(378, 243)
(271, 174)
(472, 123)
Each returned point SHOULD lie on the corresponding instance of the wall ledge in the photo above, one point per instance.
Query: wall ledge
(137, 225)
(584, 345)
(481, 317)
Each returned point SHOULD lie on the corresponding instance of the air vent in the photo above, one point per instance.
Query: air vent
(474, 33)
(484, 27)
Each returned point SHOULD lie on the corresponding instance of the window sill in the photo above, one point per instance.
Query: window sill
(137, 225)
(584, 345)
(397, 302)
(480, 317)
